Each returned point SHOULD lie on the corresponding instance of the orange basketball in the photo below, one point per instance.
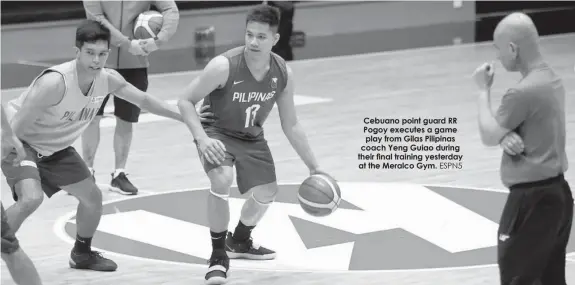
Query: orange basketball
(319, 195)
(148, 25)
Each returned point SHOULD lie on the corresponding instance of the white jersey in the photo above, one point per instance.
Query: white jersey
(60, 125)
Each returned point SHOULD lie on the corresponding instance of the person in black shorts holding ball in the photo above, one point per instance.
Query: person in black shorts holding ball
(130, 58)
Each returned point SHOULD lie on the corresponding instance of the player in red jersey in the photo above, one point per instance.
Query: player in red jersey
(241, 87)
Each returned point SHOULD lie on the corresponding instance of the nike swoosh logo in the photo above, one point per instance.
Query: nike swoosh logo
(238, 82)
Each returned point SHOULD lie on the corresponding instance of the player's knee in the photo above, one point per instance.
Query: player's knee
(91, 197)
(31, 203)
(267, 194)
(220, 190)
(30, 195)
(221, 181)
(95, 197)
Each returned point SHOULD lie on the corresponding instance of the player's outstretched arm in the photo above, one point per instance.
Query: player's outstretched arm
(214, 76)
(121, 88)
(291, 126)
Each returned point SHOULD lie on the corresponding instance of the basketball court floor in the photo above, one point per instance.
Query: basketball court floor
(401, 227)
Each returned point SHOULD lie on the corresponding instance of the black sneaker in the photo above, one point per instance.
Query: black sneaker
(123, 185)
(92, 260)
(218, 269)
(247, 249)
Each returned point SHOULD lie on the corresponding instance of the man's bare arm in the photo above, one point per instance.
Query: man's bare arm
(214, 76)
(121, 88)
(48, 90)
(291, 126)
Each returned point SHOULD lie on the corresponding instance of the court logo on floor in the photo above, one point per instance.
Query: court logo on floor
(380, 226)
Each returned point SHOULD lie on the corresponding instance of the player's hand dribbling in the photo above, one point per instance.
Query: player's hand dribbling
(213, 150)
(484, 75)
(512, 144)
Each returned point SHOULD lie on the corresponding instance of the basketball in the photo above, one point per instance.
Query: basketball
(319, 195)
(148, 25)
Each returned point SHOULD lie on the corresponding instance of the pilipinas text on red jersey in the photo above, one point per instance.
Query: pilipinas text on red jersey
(242, 106)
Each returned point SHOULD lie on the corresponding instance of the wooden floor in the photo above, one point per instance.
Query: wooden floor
(424, 83)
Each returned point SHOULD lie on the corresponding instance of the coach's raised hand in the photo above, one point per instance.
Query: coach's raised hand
(484, 75)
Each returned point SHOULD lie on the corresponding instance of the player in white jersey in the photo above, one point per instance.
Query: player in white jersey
(48, 117)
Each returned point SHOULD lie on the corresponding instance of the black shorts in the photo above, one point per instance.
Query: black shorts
(122, 108)
(252, 158)
(62, 168)
(534, 231)
(10, 243)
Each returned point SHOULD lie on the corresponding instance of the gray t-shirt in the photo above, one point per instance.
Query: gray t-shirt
(535, 110)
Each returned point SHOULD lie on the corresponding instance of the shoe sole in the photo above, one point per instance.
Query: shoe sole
(235, 255)
(73, 265)
(118, 190)
(216, 281)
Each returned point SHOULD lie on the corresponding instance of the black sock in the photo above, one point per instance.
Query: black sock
(83, 245)
(243, 232)
(218, 240)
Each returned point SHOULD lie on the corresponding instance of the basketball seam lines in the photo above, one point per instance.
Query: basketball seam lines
(336, 198)
(143, 21)
(317, 205)
(332, 205)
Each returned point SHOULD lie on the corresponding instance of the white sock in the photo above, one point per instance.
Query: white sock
(118, 171)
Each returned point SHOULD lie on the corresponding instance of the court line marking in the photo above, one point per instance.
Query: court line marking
(351, 56)
(60, 232)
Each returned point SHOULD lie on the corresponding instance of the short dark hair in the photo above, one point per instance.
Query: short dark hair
(264, 14)
(90, 31)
